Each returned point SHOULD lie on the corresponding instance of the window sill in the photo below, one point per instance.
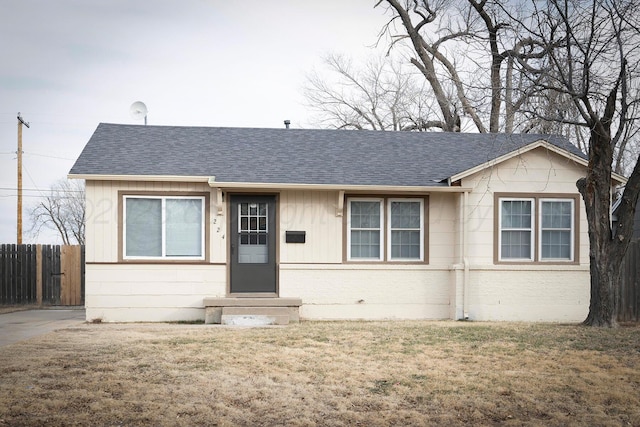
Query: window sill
(555, 262)
(163, 261)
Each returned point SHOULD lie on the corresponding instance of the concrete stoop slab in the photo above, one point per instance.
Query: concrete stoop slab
(252, 311)
(253, 320)
(255, 316)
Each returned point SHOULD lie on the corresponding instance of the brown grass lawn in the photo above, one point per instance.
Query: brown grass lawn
(324, 373)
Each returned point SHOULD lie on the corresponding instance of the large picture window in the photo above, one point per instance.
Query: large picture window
(167, 227)
(536, 229)
(385, 229)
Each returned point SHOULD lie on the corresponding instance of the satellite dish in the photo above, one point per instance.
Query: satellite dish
(138, 111)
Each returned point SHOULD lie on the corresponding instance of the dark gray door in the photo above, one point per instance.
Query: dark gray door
(253, 244)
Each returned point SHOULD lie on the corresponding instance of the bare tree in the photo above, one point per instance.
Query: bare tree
(63, 210)
(561, 66)
(472, 61)
(594, 52)
(382, 94)
(473, 47)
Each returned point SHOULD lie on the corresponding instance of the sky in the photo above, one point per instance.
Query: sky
(68, 65)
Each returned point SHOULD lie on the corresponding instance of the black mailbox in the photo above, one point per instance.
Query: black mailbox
(296, 236)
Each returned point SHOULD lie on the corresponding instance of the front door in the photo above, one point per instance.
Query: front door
(253, 244)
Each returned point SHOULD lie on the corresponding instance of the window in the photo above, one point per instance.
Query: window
(365, 231)
(516, 229)
(556, 229)
(405, 232)
(167, 227)
(536, 229)
(385, 229)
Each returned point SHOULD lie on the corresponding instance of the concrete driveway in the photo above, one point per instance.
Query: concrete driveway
(22, 325)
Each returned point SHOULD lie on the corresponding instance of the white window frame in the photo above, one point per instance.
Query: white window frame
(536, 230)
(390, 229)
(531, 228)
(571, 231)
(381, 230)
(163, 200)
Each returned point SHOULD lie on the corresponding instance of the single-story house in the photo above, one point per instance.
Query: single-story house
(192, 223)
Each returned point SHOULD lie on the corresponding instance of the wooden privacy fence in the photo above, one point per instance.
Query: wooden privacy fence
(41, 274)
(629, 293)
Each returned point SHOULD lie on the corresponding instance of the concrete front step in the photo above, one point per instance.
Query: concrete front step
(251, 302)
(252, 311)
(253, 319)
(255, 316)
(258, 311)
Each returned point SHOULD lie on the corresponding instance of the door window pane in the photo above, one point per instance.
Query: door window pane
(253, 233)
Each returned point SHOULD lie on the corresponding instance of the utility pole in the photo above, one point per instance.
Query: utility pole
(20, 123)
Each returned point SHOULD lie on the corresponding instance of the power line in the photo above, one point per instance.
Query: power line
(32, 180)
(35, 196)
(38, 190)
(48, 156)
(36, 154)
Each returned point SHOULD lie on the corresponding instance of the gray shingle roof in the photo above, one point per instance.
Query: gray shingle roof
(295, 156)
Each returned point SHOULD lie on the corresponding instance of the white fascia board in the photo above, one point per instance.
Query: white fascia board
(541, 143)
(337, 187)
(273, 186)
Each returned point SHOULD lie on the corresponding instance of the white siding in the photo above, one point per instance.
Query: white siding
(315, 213)
(442, 229)
(550, 295)
(367, 292)
(151, 292)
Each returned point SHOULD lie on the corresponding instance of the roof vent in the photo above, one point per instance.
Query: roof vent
(287, 123)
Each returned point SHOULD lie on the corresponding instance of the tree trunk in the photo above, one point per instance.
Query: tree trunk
(605, 276)
(604, 256)
(604, 264)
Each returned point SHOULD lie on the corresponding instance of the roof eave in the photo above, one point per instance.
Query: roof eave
(618, 179)
(338, 187)
(155, 178)
(275, 186)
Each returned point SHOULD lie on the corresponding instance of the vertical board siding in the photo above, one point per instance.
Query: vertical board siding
(629, 295)
(51, 275)
(19, 271)
(18, 274)
(70, 280)
(313, 212)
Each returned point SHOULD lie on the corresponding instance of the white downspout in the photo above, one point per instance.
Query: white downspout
(465, 255)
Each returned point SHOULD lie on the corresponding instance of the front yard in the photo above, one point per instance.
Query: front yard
(324, 373)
